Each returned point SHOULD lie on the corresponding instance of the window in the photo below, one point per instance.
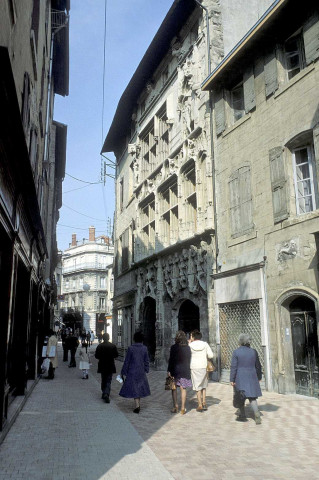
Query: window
(190, 197)
(67, 284)
(240, 202)
(237, 101)
(295, 55)
(162, 134)
(121, 193)
(124, 241)
(102, 282)
(304, 180)
(102, 303)
(148, 149)
(169, 211)
(147, 222)
(164, 75)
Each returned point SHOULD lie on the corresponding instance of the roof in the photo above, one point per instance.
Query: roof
(173, 22)
(281, 20)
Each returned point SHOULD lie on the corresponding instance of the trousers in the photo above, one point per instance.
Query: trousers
(106, 380)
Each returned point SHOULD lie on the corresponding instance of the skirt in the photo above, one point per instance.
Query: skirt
(84, 365)
(183, 382)
(199, 378)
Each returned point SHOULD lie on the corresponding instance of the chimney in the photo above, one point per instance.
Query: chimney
(92, 234)
(73, 244)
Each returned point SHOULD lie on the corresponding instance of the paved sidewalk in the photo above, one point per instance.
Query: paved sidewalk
(66, 431)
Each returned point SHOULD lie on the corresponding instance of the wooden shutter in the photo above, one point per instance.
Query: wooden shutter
(234, 203)
(278, 184)
(311, 39)
(271, 74)
(249, 90)
(246, 213)
(316, 149)
(219, 111)
(25, 111)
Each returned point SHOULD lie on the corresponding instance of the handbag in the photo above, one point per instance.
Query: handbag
(210, 367)
(238, 398)
(45, 365)
(170, 383)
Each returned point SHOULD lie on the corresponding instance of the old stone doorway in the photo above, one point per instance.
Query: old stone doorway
(188, 317)
(305, 345)
(148, 322)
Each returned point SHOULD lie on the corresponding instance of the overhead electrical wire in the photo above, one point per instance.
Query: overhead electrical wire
(78, 228)
(83, 181)
(83, 214)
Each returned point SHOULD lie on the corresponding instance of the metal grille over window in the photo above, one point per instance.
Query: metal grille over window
(234, 319)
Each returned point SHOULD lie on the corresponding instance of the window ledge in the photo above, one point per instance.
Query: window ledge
(242, 239)
(294, 80)
(237, 124)
(301, 218)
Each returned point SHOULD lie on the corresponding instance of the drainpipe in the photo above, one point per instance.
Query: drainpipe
(207, 34)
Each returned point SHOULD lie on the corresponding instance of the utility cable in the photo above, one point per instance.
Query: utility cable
(78, 228)
(83, 214)
(83, 181)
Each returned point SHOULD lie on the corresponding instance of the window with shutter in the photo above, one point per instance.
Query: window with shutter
(249, 90)
(219, 107)
(278, 184)
(271, 73)
(295, 55)
(241, 215)
(237, 101)
(305, 191)
(311, 39)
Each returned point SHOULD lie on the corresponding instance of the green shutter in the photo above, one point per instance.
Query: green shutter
(278, 184)
(219, 111)
(271, 74)
(311, 39)
(249, 90)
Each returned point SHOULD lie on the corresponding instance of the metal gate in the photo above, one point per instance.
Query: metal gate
(234, 319)
(305, 349)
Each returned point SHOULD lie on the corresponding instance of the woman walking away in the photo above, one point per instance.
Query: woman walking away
(134, 370)
(201, 351)
(179, 368)
(245, 375)
(84, 361)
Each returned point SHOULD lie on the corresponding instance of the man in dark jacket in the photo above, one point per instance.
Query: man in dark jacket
(106, 352)
(72, 343)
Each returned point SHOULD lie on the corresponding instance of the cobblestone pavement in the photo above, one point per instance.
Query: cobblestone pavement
(66, 431)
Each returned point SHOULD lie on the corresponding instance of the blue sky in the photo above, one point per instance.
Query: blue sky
(130, 27)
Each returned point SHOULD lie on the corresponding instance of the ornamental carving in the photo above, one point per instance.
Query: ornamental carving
(146, 280)
(287, 251)
(186, 270)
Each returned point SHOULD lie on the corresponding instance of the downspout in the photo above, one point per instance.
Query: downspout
(213, 176)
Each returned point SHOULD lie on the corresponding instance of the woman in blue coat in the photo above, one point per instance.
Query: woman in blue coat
(134, 370)
(245, 375)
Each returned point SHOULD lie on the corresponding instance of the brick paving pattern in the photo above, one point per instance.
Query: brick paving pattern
(66, 431)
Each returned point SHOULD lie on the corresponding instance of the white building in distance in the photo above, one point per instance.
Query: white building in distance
(87, 285)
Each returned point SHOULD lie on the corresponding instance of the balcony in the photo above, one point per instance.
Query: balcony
(84, 267)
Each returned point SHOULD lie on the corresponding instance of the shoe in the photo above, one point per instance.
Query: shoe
(240, 418)
(257, 419)
(199, 408)
(106, 399)
(183, 411)
(174, 410)
(205, 407)
(86, 378)
(137, 410)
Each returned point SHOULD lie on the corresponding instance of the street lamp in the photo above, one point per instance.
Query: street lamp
(86, 287)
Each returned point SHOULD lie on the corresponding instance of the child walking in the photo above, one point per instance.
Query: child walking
(84, 361)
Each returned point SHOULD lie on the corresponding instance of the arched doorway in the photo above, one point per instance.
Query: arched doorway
(188, 317)
(148, 323)
(305, 345)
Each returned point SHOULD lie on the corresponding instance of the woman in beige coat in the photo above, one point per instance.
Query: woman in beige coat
(52, 353)
(200, 351)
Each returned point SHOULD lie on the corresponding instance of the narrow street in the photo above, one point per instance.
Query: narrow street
(65, 431)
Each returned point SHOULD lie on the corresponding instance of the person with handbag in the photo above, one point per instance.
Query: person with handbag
(200, 352)
(52, 353)
(245, 375)
(179, 369)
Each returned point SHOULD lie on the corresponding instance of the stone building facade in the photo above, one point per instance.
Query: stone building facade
(34, 60)
(87, 284)
(164, 220)
(266, 167)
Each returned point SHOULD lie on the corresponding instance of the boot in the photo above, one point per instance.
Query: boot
(257, 418)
